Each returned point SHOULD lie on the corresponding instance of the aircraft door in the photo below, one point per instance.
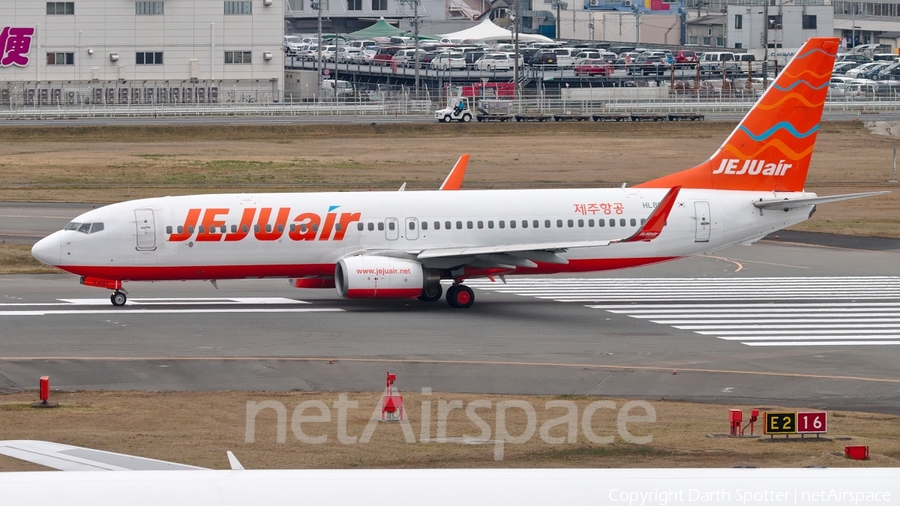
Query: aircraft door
(704, 222)
(391, 229)
(145, 228)
(412, 229)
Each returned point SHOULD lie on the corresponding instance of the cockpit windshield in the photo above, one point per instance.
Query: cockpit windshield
(85, 228)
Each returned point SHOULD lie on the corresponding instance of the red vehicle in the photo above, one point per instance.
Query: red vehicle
(593, 67)
(492, 90)
(385, 55)
(685, 57)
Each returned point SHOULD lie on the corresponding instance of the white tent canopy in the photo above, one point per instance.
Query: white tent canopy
(487, 30)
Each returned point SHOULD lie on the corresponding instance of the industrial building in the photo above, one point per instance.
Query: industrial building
(140, 52)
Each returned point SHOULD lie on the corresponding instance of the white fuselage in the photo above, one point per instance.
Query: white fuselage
(233, 236)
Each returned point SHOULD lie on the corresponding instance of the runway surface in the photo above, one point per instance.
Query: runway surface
(775, 323)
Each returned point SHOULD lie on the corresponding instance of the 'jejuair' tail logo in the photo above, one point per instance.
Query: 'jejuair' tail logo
(771, 148)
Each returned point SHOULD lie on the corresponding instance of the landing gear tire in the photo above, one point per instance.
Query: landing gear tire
(460, 296)
(118, 299)
(431, 293)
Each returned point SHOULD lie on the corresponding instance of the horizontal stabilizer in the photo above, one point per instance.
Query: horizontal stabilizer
(657, 220)
(74, 458)
(794, 203)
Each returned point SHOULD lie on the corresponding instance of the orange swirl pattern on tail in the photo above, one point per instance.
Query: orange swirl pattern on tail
(772, 146)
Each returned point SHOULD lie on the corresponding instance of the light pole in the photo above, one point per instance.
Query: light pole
(516, 64)
(415, 6)
(318, 7)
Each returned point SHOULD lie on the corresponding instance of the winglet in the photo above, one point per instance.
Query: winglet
(455, 177)
(657, 220)
(234, 462)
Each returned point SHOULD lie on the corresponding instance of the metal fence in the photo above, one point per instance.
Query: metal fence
(403, 102)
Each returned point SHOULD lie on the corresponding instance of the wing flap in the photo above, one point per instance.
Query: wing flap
(75, 458)
(794, 203)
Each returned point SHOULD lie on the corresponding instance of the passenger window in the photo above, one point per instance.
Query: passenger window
(359, 226)
(169, 229)
(536, 224)
(559, 224)
(601, 223)
(447, 225)
(469, 225)
(612, 222)
(458, 225)
(201, 229)
(380, 226)
(391, 225)
(502, 224)
(580, 223)
(412, 225)
(490, 223)
(337, 227)
(180, 229)
(256, 228)
(591, 223)
(546, 223)
(633, 222)
(424, 225)
(437, 225)
(524, 223)
(315, 227)
(281, 227)
(303, 228)
(643, 221)
(480, 224)
(512, 223)
(622, 222)
(190, 229)
(234, 229)
(222, 229)
(371, 226)
(570, 223)
(245, 228)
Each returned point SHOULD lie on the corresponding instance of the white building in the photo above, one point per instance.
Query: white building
(788, 25)
(140, 52)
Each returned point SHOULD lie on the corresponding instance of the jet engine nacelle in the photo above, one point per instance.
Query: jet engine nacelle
(375, 277)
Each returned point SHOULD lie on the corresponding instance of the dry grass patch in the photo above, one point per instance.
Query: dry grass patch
(17, 259)
(108, 164)
(198, 427)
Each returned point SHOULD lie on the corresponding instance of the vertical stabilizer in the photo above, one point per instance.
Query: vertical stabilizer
(771, 147)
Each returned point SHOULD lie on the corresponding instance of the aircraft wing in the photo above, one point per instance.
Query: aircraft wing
(75, 458)
(545, 251)
(793, 203)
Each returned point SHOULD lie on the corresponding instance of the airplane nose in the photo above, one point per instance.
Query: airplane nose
(48, 249)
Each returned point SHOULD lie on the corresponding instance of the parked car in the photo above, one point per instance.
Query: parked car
(407, 57)
(543, 57)
(647, 65)
(843, 67)
(494, 61)
(329, 53)
(872, 72)
(347, 54)
(855, 57)
(593, 67)
(685, 58)
(340, 89)
(718, 61)
(449, 61)
(364, 56)
(292, 44)
(385, 55)
(889, 73)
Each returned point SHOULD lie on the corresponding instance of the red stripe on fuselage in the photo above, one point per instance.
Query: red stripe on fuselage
(177, 273)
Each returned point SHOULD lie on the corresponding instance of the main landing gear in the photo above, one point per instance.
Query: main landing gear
(431, 293)
(118, 298)
(460, 296)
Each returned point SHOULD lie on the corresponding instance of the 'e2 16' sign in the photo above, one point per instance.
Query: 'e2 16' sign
(804, 422)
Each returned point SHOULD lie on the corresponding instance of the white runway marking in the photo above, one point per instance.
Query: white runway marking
(752, 311)
(138, 306)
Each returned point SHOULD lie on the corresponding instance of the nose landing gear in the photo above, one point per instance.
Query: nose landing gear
(118, 298)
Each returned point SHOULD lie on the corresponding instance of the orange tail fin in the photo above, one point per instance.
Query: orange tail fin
(771, 147)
